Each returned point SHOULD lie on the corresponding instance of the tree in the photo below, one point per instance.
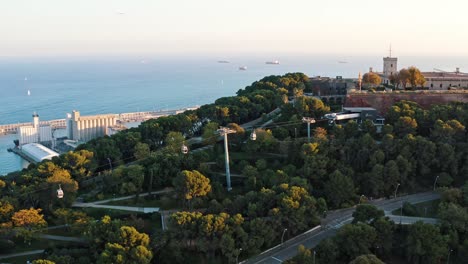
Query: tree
(28, 222)
(209, 133)
(404, 77)
(355, 240)
(128, 246)
(371, 79)
(141, 151)
(367, 213)
(339, 189)
(367, 259)
(415, 77)
(174, 141)
(42, 261)
(425, 244)
(192, 184)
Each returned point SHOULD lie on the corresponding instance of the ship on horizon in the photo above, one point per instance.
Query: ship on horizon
(223, 61)
(243, 68)
(275, 62)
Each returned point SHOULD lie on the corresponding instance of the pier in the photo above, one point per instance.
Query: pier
(121, 118)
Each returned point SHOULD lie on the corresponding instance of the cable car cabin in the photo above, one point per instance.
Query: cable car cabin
(59, 193)
(184, 149)
(253, 135)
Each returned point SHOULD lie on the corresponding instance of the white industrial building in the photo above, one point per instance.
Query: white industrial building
(85, 128)
(34, 133)
(38, 152)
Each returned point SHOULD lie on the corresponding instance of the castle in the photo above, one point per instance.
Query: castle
(435, 80)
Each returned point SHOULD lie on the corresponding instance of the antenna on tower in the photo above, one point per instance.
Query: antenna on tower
(390, 50)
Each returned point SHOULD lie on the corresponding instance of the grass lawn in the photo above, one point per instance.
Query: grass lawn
(425, 209)
(163, 202)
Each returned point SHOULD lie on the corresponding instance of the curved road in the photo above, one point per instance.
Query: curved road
(334, 221)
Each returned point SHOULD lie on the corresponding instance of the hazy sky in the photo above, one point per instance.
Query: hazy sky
(77, 27)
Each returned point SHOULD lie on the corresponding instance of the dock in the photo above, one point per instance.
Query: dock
(121, 118)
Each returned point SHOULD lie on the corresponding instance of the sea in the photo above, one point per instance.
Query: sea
(54, 86)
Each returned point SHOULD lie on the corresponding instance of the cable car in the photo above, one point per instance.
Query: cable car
(60, 192)
(184, 149)
(253, 135)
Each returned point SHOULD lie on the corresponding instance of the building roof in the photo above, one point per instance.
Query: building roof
(38, 152)
(445, 75)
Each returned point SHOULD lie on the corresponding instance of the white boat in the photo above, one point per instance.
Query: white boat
(29, 92)
(223, 61)
(276, 62)
(243, 68)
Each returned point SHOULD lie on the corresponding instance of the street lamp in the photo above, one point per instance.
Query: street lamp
(237, 256)
(435, 181)
(448, 257)
(224, 131)
(360, 198)
(282, 236)
(314, 257)
(396, 189)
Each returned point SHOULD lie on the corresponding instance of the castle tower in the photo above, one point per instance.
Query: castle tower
(390, 65)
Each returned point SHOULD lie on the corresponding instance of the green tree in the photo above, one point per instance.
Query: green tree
(367, 213)
(355, 240)
(425, 244)
(191, 184)
(210, 135)
(141, 151)
(339, 189)
(128, 246)
(174, 141)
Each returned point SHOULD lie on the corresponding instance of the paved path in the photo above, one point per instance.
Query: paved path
(101, 204)
(63, 238)
(165, 190)
(331, 224)
(26, 253)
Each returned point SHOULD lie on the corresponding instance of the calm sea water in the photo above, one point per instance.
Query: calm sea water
(117, 85)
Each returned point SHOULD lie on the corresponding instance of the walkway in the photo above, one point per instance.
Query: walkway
(26, 253)
(101, 204)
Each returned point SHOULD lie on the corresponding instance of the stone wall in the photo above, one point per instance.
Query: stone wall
(383, 101)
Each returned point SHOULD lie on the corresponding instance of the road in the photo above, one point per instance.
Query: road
(333, 222)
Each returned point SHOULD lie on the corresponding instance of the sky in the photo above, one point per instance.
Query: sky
(198, 27)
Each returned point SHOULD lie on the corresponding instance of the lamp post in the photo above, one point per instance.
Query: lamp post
(237, 255)
(282, 236)
(224, 131)
(435, 181)
(110, 163)
(396, 189)
(309, 121)
(448, 257)
(314, 257)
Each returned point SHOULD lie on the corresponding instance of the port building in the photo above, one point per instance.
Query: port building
(85, 128)
(34, 133)
(37, 152)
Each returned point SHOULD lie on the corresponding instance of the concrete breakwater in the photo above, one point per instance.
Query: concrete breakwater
(121, 118)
